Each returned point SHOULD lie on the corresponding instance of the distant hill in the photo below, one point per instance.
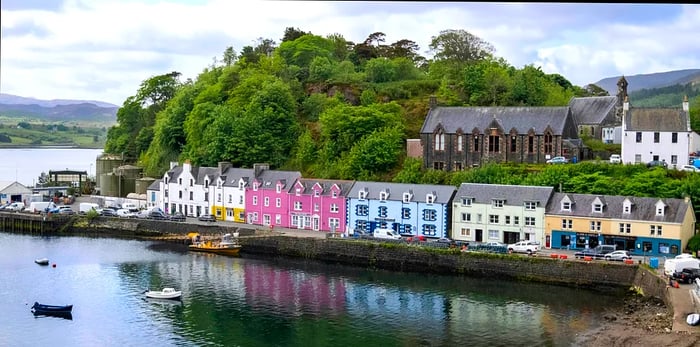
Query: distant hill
(651, 81)
(57, 110)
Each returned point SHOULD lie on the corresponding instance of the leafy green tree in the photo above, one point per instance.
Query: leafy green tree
(302, 51)
(374, 154)
(528, 87)
(411, 171)
(380, 70)
(321, 69)
(291, 34)
(229, 56)
(460, 48)
(368, 97)
(315, 104)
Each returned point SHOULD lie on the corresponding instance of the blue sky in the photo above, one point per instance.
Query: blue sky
(103, 49)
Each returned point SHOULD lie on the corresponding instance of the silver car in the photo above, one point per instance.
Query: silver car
(618, 255)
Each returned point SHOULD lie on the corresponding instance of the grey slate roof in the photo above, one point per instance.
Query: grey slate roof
(309, 183)
(175, 172)
(155, 185)
(592, 110)
(269, 178)
(443, 193)
(232, 175)
(204, 171)
(520, 118)
(643, 208)
(656, 119)
(513, 195)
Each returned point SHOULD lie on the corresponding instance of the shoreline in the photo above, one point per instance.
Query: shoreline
(48, 147)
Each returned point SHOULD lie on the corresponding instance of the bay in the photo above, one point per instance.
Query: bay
(257, 301)
(25, 165)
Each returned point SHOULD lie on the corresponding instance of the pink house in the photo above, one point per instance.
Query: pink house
(317, 204)
(266, 200)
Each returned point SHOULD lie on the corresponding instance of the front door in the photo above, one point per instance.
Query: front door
(479, 237)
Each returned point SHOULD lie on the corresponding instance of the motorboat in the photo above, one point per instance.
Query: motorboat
(693, 319)
(64, 311)
(228, 245)
(166, 293)
(42, 261)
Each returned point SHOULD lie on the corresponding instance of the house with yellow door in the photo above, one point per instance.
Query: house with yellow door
(641, 225)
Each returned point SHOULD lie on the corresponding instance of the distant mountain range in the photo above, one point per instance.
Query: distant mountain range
(651, 81)
(14, 106)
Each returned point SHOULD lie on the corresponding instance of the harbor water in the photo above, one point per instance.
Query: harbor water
(257, 301)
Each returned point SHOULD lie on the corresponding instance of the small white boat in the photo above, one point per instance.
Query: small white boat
(166, 293)
(693, 319)
(42, 261)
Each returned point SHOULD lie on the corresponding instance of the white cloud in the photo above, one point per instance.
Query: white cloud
(104, 49)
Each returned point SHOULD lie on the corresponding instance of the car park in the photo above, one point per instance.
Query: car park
(615, 159)
(177, 217)
(620, 255)
(207, 218)
(528, 247)
(558, 160)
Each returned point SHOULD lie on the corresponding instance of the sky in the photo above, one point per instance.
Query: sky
(103, 49)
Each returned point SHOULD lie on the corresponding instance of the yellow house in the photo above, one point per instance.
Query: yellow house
(642, 225)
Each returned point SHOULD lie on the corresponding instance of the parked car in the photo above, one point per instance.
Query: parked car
(687, 275)
(690, 168)
(108, 212)
(528, 247)
(15, 206)
(63, 209)
(178, 217)
(615, 159)
(618, 255)
(494, 244)
(384, 233)
(655, 163)
(157, 214)
(207, 218)
(143, 214)
(598, 252)
(125, 213)
(558, 160)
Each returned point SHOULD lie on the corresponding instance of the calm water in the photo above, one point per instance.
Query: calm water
(248, 301)
(25, 165)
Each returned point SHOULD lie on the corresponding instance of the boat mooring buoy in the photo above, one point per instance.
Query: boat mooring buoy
(54, 265)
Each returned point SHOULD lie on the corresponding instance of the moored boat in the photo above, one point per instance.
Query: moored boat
(228, 245)
(166, 293)
(42, 261)
(64, 311)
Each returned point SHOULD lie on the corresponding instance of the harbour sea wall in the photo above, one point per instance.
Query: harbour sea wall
(596, 275)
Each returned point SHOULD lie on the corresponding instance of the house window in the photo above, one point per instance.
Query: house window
(278, 188)
(674, 159)
(382, 196)
(626, 209)
(530, 144)
(206, 196)
(516, 220)
(334, 208)
(266, 201)
(625, 228)
(660, 211)
(406, 197)
(334, 194)
(639, 137)
(467, 201)
(405, 213)
(674, 137)
(530, 205)
(566, 224)
(466, 217)
(493, 218)
(458, 166)
(206, 184)
(317, 193)
(255, 200)
(166, 180)
(465, 232)
(166, 193)
(382, 211)
(656, 137)
(333, 223)
(362, 194)
(513, 144)
(507, 220)
(637, 158)
(438, 165)
(316, 208)
(266, 219)
(278, 202)
(478, 217)
(439, 141)
(529, 221)
(429, 215)
(179, 181)
(493, 234)
(191, 182)
(362, 210)
(548, 148)
(429, 230)
(593, 131)
(460, 143)
(497, 203)
(656, 228)
(476, 143)
(278, 219)
(430, 198)
(240, 200)
(179, 195)
(230, 198)
(597, 208)
(595, 225)
(494, 144)
(566, 206)
(297, 205)
(407, 229)
(191, 195)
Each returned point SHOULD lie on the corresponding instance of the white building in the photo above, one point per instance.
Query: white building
(14, 192)
(186, 189)
(656, 134)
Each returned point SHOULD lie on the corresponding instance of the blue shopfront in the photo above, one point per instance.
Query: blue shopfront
(636, 245)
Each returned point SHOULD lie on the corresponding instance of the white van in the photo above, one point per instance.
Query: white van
(38, 206)
(383, 233)
(85, 207)
(130, 206)
(678, 264)
(15, 206)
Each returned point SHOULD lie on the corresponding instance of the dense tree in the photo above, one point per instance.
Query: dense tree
(291, 34)
(229, 56)
(460, 46)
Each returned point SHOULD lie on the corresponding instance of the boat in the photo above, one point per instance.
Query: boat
(42, 261)
(65, 311)
(228, 245)
(693, 319)
(166, 293)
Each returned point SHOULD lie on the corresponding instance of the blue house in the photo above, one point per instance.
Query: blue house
(409, 209)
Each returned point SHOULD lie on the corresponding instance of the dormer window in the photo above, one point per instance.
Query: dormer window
(334, 194)
(598, 208)
(430, 198)
(240, 184)
(179, 181)
(297, 191)
(530, 205)
(278, 188)
(166, 179)
(255, 186)
(383, 195)
(467, 201)
(659, 211)
(191, 182)
(362, 195)
(317, 193)
(406, 197)
(206, 183)
(497, 203)
(566, 206)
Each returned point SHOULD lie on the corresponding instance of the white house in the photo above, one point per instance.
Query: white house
(502, 213)
(186, 189)
(656, 134)
(153, 195)
(229, 192)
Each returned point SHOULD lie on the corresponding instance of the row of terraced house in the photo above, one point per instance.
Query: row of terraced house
(471, 212)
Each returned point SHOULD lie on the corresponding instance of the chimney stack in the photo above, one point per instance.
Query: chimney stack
(685, 104)
(626, 104)
(433, 102)
(259, 168)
